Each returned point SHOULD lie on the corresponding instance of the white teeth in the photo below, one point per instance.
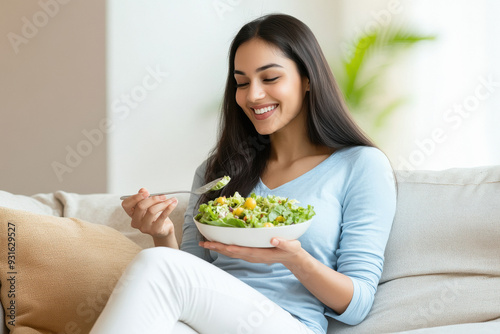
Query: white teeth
(264, 110)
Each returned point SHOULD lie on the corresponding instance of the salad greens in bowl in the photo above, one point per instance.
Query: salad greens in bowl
(252, 221)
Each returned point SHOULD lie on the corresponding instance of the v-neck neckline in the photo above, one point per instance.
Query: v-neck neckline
(300, 176)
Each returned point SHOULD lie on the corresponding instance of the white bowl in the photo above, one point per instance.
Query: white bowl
(251, 237)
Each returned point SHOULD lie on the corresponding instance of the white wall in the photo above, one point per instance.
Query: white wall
(52, 87)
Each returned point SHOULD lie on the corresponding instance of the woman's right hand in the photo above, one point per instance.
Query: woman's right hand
(150, 214)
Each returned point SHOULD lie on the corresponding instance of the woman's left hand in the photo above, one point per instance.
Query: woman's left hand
(284, 251)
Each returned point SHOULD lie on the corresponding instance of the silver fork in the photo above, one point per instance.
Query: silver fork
(201, 190)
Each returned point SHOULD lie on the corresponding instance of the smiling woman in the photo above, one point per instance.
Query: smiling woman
(279, 87)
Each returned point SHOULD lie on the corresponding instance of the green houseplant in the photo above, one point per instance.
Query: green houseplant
(362, 73)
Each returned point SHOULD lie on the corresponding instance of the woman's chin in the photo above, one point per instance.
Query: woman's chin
(264, 131)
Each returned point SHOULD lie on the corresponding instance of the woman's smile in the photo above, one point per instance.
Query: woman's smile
(263, 112)
(259, 110)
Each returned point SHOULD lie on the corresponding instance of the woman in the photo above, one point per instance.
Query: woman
(285, 131)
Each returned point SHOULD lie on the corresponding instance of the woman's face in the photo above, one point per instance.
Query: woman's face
(270, 89)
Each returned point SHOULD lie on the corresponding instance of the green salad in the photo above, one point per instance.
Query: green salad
(253, 211)
(221, 184)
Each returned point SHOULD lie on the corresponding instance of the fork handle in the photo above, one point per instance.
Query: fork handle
(158, 194)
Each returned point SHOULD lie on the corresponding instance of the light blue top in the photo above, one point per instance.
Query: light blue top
(354, 197)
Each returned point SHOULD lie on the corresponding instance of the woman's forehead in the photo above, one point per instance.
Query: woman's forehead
(257, 53)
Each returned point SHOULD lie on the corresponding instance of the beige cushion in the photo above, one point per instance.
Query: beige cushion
(442, 262)
(63, 271)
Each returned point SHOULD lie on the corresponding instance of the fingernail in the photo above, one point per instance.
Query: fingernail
(274, 242)
(162, 197)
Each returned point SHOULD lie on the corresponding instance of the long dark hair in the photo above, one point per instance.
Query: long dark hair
(241, 152)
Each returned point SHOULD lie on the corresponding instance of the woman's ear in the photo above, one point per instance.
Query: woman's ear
(306, 83)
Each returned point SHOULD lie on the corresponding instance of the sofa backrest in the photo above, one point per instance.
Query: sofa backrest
(442, 261)
(102, 209)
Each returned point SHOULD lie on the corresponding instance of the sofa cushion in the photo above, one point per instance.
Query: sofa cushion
(60, 271)
(106, 209)
(490, 327)
(46, 204)
(442, 262)
(102, 209)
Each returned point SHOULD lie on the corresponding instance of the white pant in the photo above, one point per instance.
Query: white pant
(164, 289)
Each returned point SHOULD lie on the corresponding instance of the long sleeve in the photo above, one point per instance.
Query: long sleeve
(368, 211)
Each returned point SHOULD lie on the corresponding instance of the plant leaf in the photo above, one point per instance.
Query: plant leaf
(360, 76)
(387, 111)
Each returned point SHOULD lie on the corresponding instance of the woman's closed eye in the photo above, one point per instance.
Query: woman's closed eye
(239, 85)
(271, 79)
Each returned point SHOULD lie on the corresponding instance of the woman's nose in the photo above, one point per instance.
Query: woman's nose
(255, 92)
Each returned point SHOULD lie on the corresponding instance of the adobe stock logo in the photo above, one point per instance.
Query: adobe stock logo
(430, 312)
(453, 118)
(381, 18)
(30, 28)
(223, 6)
(251, 322)
(120, 110)
(89, 309)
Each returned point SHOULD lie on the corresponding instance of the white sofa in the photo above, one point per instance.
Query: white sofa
(442, 267)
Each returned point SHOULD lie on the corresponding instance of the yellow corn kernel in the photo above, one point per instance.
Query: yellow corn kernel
(250, 203)
(238, 211)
